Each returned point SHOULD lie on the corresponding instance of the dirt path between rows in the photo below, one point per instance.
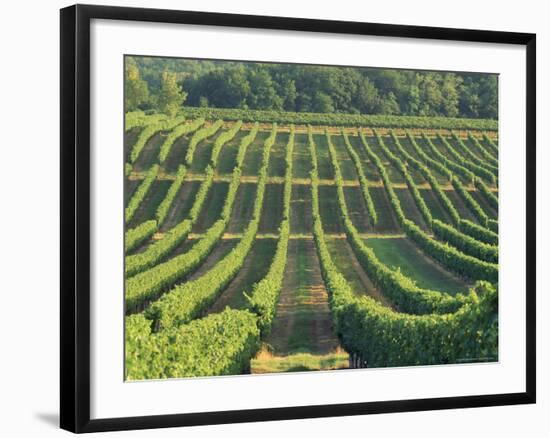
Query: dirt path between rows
(303, 321)
(182, 198)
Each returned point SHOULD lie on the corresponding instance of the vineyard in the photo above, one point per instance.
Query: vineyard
(265, 241)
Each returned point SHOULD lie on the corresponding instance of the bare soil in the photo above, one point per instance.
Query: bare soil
(303, 321)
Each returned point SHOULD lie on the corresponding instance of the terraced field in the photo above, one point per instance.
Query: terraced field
(300, 248)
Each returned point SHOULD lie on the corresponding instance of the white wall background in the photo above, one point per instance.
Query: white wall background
(29, 248)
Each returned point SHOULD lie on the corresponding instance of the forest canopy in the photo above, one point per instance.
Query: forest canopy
(306, 88)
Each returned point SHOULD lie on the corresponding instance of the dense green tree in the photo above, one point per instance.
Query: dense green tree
(224, 88)
(297, 87)
(136, 90)
(488, 95)
(288, 93)
(389, 104)
(262, 92)
(367, 97)
(171, 95)
(322, 103)
(451, 96)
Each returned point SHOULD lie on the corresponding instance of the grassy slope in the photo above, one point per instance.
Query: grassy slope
(403, 254)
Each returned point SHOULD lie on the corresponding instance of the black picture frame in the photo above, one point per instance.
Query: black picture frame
(75, 217)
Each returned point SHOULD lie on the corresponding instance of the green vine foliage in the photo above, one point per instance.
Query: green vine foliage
(219, 344)
(175, 134)
(334, 119)
(468, 334)
(149, 131)
(185, 302)
(200, 135)
(140, 193)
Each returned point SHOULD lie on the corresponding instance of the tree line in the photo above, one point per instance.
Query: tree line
(165, 84)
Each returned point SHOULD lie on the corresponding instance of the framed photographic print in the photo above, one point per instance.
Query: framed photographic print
(272, 218)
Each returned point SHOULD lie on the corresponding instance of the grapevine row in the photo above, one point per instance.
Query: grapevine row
(134, 236)
(465, 243)
(222, 139)
(429, 161)
(149, 131)
(471, 203)
(334, 119)
(383, 337)
(245, 142)
(135, 119)
(461, 241)
(465, 226)
(362, 179)
(473, 167)
(449, 256)
(400, 289)
(265, 294)
(457, 169)
(428, 176)
(139, 234)
(140, 193)
(478, 232)
(200, 135)
(147, 259)
(418, 199)
(491, 144)
(219, 344)
(176, 133)
(465, 150)
(185, 302)
(164, 207)
(148, 284)
(489, 196)
(482, 150)
(138, 263)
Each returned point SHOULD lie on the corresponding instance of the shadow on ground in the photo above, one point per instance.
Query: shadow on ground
(49, 418)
